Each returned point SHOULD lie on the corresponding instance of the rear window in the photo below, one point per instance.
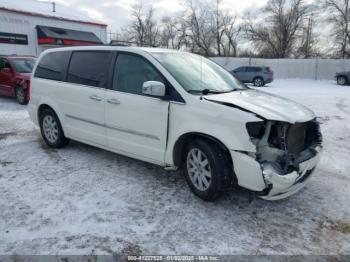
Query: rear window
(52, 66)
(89, 68)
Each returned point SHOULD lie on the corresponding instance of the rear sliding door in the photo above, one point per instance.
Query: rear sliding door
(82, 96)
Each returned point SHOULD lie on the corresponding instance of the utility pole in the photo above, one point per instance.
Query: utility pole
(54, 7)
(308, 37)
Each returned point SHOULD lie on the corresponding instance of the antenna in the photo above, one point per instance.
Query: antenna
(54, 7)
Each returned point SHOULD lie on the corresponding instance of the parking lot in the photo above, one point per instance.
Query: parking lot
(84, 200)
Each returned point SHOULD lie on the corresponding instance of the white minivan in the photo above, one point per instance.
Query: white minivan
(176, 110)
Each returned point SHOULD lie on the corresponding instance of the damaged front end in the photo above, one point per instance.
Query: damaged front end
(287, 154)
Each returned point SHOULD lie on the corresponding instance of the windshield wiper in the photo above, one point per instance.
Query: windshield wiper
(209, 91)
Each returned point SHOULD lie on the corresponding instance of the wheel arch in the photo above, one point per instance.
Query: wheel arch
(184, 139)
(258, 77)
(44, 106)
(346, 78)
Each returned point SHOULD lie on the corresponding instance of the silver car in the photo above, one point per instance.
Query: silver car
(258, 75)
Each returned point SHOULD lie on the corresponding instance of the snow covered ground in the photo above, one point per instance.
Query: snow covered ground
(84, 200)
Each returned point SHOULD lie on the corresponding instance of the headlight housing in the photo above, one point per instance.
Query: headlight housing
(256, 129)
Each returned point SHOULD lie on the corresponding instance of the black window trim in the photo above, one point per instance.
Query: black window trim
(64, 71)
(173, 97)
(108, 76)
(254, 69)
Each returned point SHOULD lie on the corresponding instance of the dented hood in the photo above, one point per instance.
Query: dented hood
(268, 106)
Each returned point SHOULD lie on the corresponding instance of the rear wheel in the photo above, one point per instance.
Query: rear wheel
(341, 80)
(21, 95)
(206, 167)
(51, 129)
(258, 81)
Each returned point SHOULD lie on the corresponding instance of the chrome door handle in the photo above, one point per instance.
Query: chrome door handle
(95, 97)
(113, 101)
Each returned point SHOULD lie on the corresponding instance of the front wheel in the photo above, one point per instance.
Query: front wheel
(51, 129)
(205, 167)
(341, 80)
(21, 95)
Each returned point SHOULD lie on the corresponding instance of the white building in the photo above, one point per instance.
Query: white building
(27, 27)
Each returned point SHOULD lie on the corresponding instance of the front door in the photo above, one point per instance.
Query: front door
(82, 97)
(136, 124)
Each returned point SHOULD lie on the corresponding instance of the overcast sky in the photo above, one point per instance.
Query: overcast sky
(116, 13)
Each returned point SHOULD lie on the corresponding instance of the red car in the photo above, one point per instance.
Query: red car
(15, 74)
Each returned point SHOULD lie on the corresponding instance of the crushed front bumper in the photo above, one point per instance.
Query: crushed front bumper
(282, 186)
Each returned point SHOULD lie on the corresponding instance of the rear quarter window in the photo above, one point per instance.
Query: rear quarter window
(53, 66)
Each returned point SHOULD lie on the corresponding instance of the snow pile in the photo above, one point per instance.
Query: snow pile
(84, 200)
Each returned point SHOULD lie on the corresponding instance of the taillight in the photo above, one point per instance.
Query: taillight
(28, 89)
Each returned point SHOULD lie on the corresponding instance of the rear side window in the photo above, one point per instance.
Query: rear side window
(89, 68)
(253, 69)
(52, 66)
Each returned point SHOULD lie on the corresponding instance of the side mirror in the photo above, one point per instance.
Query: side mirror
(153, 88)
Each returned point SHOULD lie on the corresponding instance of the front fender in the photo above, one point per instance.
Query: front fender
(223, 123)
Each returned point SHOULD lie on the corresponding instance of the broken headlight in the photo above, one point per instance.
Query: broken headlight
(256, 129)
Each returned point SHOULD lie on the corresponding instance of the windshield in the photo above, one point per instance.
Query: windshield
(23, 65)
(197, 74)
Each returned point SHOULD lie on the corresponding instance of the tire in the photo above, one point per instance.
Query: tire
(258, 81)
(215, 172)
(21, 95)
(341, 80)
(51, 129)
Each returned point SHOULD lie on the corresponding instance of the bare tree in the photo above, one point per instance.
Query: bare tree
(199, 27)
(308, 42)
(173, 32)
(143, 29)
(219, 28)
(225, 31)
(339, 17)
(277, 35)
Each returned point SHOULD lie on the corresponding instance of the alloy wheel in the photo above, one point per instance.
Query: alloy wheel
(258, 82)
(50, 129)
(21, 95)
(341, 80)
(199, 169)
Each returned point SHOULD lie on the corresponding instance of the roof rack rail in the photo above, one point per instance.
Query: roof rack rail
(121, 43)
